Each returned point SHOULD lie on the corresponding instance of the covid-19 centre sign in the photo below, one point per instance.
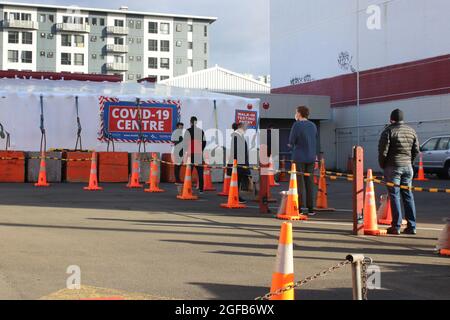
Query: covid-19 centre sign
(128, 121)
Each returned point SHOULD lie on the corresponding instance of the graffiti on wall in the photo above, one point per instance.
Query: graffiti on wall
(303, 79)
(345, 60)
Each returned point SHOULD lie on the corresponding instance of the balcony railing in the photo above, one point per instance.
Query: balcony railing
(73, 27)
(20, 24)
(117, 66)
(117, 48)
(117, 30)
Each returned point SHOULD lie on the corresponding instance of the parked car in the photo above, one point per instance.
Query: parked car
(436, 156)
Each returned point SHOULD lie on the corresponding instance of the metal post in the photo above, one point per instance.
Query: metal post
(357, 75)
(356, 261)
(358, 191)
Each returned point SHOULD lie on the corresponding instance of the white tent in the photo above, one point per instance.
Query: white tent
(20, 111)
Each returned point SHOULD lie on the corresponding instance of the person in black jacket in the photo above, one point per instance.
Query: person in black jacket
(239, 150)
(397, 149)
(194, 146)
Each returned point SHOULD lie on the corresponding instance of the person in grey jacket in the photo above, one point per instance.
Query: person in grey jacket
(397, 149)
(303, 141)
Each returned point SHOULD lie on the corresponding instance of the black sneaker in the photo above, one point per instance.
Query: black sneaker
(393, 231)
(410, 231)
(242, 201)
(312, 213)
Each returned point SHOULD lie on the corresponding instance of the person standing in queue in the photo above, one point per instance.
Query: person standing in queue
(239, 152)
(303, 142)
(194, 146)
(177, 154)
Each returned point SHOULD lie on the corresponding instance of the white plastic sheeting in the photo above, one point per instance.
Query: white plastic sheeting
(20, 111)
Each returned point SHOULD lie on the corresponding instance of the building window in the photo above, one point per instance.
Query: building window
(94, 56)
(152, 63)
(79, 41)
(118, 41)
(206, 64)
(205, 48)
(165, 63)
(130, 77)
(179, 27)
(42, 34)
(93, 38)
(165, 28)
(94, 21)
(165, 45)
(153, 27)
(131, 58)
(26, 16)
(138, 76)
(190, 27)
(205, 31)
(190, 45)
(42, 53)
(13, 37)
(51, 18)
(179, 61)
(190, 63)
(162, 78)
(50, 36)
(13, 56)
(152, 45)
(66, 40)
(179, 43)
(27, 38)
(138, 40)
(102, 21)
(66, 59)
(79, 59)
(138, 58)
(138, 24)
(131, 24)
(49, 54)
(118, 23)
(130, 40)
(42, 18)
(27, 57)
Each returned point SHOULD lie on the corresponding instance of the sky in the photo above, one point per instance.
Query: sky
(239, 39)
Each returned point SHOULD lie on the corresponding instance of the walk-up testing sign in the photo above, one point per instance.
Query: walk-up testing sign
(125, 121)
(250, 118)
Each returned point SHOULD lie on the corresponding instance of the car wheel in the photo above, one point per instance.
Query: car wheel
(446, 171)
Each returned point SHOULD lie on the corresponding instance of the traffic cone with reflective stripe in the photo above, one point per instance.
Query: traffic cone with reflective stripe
(154, 177)
(226, 184)
(385, 212)
(42, 179)
(370, 209)
(283, 274)
(208, 185)
(135, 171)
(272, 182)
(292, 211)
(443, 245)
(186, 193)
(233, 196)
(283, 174)
(93, 180)
(322, 194)
(421, 172)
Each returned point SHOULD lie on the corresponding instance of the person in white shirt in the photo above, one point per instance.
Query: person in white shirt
(177, 152)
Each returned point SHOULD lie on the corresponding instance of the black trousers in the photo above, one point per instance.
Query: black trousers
(306, 186)
(177, 173)
(199, 169)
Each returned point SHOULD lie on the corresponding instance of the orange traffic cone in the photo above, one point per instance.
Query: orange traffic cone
(316, 171)
(385, 212)
(283, 174)
(93, 180)
(135, 170)
(208, 185)
(226, 184)
(186, 193)
(292, 209)
(42, 179)
(322, 194)
(154, 177)
(233, 196)
(283, 274)
(272, 181)
(443, 246)
(370, 209)
(421, 173)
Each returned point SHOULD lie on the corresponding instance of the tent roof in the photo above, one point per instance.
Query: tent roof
(119, 90)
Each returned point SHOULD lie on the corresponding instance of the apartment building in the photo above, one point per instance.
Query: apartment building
(132, 44)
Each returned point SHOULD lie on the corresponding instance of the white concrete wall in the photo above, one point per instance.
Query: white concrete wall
(308, 36)
(428, 115)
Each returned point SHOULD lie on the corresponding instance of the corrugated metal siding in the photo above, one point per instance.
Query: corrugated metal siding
(217, 79)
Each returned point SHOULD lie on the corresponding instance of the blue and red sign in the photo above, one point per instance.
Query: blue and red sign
(127, 122)
(250, 118)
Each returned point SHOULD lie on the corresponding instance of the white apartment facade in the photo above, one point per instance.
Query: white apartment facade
(132, 44)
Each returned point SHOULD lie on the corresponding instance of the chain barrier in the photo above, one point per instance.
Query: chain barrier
(305, 281)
